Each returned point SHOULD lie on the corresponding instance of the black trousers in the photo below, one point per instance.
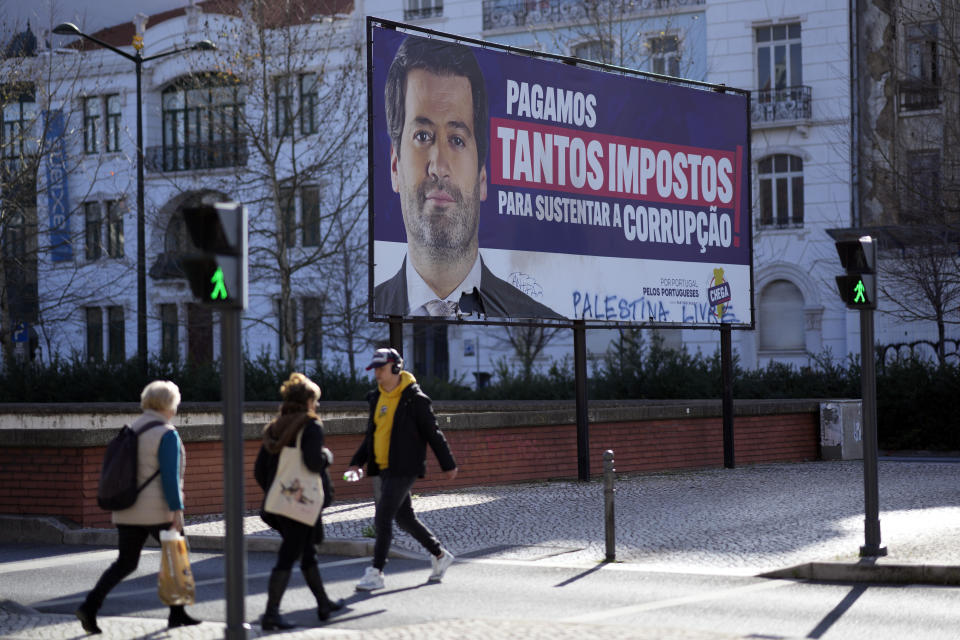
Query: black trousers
(394, 503)
(297, 544)
(131, 539)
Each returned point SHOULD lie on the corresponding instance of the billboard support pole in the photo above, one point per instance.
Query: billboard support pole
(396, 333)
(726, 376)
(580, 373)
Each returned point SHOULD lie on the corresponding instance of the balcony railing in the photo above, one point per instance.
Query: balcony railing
(423, 12)
(919, 96)
(504, 14)
(193, 157)
(782, 105)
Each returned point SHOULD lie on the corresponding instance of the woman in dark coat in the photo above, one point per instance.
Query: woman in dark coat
(298, 412)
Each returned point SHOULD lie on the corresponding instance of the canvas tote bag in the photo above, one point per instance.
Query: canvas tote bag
(296, 492)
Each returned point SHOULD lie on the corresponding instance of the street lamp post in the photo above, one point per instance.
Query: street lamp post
(70, 29)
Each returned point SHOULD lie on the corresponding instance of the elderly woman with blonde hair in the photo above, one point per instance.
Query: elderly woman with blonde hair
(297, 416)
(161, 462)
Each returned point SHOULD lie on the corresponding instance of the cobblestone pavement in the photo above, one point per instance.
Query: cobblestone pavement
(746, 521)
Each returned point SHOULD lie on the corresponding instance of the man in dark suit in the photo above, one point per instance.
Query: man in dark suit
(436, 107)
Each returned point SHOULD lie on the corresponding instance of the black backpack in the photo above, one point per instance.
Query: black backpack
(118, 477)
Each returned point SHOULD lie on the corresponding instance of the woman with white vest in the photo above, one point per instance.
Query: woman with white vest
(159, 504)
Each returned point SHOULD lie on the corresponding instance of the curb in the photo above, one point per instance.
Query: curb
(870, 571)
(50, 530)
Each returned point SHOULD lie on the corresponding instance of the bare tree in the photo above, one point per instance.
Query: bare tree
(39, 237)
(298, 70)
(527, 343)
(909, 163)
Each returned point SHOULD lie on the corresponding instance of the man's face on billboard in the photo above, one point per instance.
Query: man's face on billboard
(435, 170)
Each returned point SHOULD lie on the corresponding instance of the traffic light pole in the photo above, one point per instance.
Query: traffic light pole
(868, 394)
(235, 550)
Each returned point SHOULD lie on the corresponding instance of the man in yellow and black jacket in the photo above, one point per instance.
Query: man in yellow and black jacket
(394, 449)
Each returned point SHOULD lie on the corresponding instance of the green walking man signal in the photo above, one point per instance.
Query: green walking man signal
(217, 265)
(219, 291)
(858, 288)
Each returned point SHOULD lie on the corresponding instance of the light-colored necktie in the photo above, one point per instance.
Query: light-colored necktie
(441, 308)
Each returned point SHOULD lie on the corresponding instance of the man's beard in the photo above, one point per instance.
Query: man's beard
(444, 234)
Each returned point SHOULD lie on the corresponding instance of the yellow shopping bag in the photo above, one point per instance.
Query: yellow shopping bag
(175, 584)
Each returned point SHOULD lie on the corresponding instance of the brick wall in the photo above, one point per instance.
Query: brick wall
(62, 481)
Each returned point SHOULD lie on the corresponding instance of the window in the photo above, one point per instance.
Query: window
(283, 114)
(780, 320)
(94, 334)
(665, 55)
(113, 123)
(779, 61)
(14, 235)
(921, 88)
(169, 333)
(19, 114)
(313, 328)
(309, 99)
(288, 216)
(111, 225)
(91, 124)
(922, 186)
(417, 9)
(201, 118)
(310, 203)
(596, 50)
(115, 228)
(781, 190)
(116, 347)
(175, 238)
(92, 225)
(430, 356)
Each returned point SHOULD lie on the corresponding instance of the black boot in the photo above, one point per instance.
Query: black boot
(87, 615)
(271, 619)
(325, 606)
(179, 618)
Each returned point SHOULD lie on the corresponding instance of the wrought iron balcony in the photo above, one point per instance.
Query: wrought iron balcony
(193, 157)
(420, 13)
(919, 96)
(504, 14)
(782, 105)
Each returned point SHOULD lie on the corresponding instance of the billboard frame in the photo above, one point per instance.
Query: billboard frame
(395, 320)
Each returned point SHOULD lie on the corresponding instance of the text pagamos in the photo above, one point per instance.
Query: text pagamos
(548, 103)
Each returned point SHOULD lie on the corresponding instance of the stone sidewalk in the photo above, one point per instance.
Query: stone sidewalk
(782, 520)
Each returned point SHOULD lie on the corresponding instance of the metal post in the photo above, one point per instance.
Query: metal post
(396, 334)
(141, 227)
(580, 375)
(726, 375)
(608, 518)
(235, 549)
(868, 394)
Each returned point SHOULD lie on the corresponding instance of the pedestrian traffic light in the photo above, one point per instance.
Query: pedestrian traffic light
(217, 266)
(858, 288)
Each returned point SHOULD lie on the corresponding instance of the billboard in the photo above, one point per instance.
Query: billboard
(507, 186)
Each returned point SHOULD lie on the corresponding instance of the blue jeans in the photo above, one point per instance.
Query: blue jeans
(392, 494)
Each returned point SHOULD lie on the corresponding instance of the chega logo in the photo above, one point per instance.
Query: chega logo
(718, 293)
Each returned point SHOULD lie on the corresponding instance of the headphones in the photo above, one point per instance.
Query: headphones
(397, 361)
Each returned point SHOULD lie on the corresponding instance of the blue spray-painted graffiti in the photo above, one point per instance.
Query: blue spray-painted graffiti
(614, 308)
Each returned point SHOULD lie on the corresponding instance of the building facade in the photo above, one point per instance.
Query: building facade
(840, 134)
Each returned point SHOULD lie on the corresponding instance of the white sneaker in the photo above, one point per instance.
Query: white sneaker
(372, 579)
(440, 565)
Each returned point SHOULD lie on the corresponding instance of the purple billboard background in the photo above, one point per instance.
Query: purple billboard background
(632, 107)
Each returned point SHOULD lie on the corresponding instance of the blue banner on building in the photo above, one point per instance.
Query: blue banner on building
(58, 199)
